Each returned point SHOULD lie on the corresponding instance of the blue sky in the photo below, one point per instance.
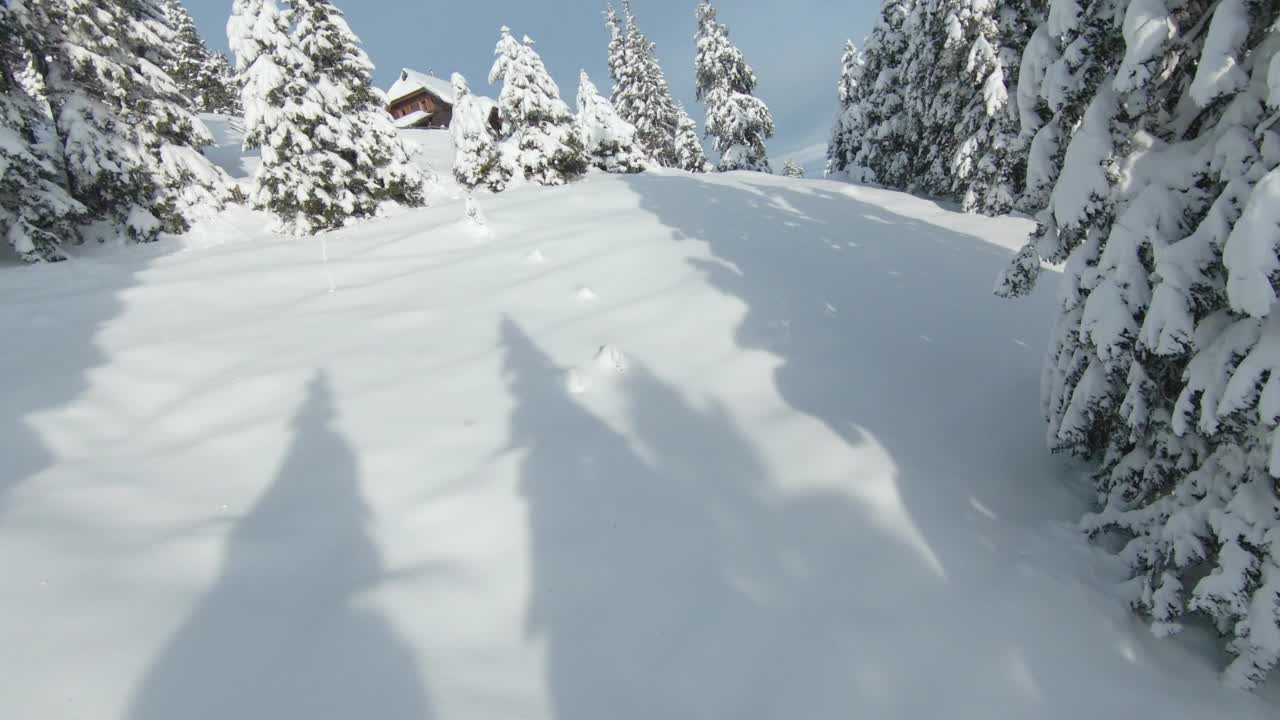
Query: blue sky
(794, 46)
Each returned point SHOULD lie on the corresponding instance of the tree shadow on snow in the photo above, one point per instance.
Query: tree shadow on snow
(51, 317)
(282, 634)
(671, 579)
(888, 333)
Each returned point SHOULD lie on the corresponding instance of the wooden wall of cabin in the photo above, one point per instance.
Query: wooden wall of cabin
(425, 102)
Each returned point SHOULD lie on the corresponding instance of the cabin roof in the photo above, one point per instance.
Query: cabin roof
(412, 119)
(412, 81)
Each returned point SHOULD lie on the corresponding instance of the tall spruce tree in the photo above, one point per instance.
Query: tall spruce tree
(849, 130)
(888, 149)
(1157, 161)
(619, 67)
(983, 49)
(329, 151)
(538, 127)
(281, 118)
(930, 101)
(204, 78)
(37, 214)
(362, 131)
(738, 123)
(640, 92)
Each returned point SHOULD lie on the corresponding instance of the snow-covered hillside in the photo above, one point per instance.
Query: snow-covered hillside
(658, 446)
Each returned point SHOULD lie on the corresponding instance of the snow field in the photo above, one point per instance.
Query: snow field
(787, 463)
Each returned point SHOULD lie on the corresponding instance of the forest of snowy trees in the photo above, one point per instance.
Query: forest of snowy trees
(1141, 135)
(101, 137)
(925, 106)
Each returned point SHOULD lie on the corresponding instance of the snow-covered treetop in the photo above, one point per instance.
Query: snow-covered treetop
(529, 95)
(720, 64)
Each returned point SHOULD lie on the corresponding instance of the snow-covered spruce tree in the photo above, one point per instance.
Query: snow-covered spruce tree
(1163, 366)
(888, 148)
(129, 146)
(619, 68)
(640, 92)
(204, 78)
(927, 106)
(1070, 54)
(300, 179)
(930, 94)
(689, 154)
(329, 152)
(363, 133)
(477, 159)
(664, 130)
(738, 123)
(608, 139)
(792, 169)
(985, 43)
(37, 215)
(190, 185)
(544, 141)
(849, 130)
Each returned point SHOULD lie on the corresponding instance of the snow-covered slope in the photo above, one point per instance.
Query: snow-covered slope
(660, 446)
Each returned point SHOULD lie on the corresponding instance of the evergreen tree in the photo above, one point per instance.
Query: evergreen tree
(792, 170)
(609, 140)
(619, 68)
(640, 93)
(37, 215)
(329, 151)
(888, 148)
(928, 107)
(129, 147)
(204, 78)
(537, 125)
(477, 160)
(849, 130)
(985, 42)
(1157, 161)
(929, 89)
(689, 154)
(738, 123)
(363, 133)
(281, 118)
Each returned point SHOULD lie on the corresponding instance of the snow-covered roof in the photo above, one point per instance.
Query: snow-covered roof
(412, 119)
(411, 81)
(487, 104)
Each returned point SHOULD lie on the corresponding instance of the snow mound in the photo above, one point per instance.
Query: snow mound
(611, 359)
(586, 294)
(576, 381)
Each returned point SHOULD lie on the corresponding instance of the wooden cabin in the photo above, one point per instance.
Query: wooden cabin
(422, 100)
